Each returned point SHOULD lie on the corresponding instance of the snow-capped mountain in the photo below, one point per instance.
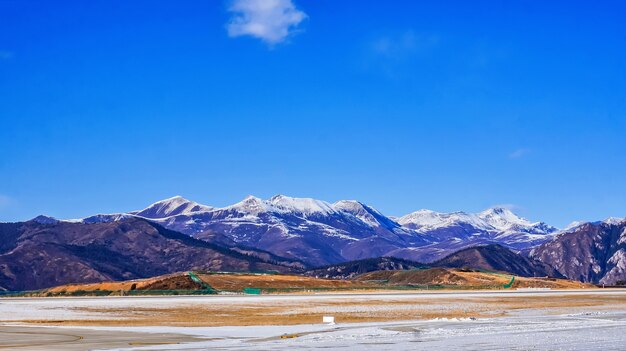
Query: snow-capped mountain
(290, 231)
(495, 219)
(504, 220)
(590, 252)
(426, 220)
(176, 205)
(318, 232)
(314, 231)
(460, 229)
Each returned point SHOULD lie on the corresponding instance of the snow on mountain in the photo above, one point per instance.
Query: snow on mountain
(427, 220)
(251, 205)
(591, 252)
(104, 218)
(311, 230)
(491, 220)
(318, 232)
(614, 220)
(176, 205)
(573, 225)
(281, 204)
(458, 230)
(305, 206)
(365, 213)
(506, 221)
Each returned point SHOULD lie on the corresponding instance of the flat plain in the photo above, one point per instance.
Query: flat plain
(557, 319)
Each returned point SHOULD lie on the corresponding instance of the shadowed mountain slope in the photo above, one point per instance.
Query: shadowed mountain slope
(496, 258)
(36, 255)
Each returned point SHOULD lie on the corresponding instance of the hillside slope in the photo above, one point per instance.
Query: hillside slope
(40, 254)
(496, 258)
(592, 252)
(465, 279)
(351, 269)
(322, 233)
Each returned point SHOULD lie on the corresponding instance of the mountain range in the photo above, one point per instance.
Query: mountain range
(320, 233)
(590, 252)
(42, 253)
(294, 234)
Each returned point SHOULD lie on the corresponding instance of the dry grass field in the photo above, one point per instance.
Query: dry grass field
(307, 309)
(276, 283)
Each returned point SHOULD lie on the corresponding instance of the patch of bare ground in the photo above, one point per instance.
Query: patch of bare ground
(238, 282)
(465, 278)
(358, 310)
(277, 283)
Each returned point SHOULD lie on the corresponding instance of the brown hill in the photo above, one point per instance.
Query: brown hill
(496, 258)
(593, 252)
(449, 277)
(379, 280)
(35, 255)
(351, 269)
(228, 282)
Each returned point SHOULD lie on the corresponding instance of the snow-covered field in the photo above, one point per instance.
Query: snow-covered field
(592, 331)
(583, 325)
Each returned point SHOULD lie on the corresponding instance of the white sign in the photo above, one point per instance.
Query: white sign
(328, 319)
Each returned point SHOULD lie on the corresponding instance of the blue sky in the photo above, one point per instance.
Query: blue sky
(111, 105)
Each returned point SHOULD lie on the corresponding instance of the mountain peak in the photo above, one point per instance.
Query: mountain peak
(302, 205)
(365, 213)
(41, 219)
(614, 220)
(250, 204)
(251, 200)
(573, 225)
(172, 206)
(498, 210)
(431, 219)
(500, 217)
(348, 204)
(505, 220)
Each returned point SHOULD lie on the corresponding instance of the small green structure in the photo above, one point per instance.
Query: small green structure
(252, 291)
(206, 287)
(509, 284)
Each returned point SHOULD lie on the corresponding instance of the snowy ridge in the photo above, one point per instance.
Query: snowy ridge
(104, 218)
(318, 232)
(364, 213)
(425, 220)
(305, 206)
(493, 219)
(614, 220)
(282, 204)
(176, 205)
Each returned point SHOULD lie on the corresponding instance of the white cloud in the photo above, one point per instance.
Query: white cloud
(510, 207)
(398, 54)
(5, 201)
(403, 45)
(519, 153)
(5, 55)
(269, 20)
(395, 47)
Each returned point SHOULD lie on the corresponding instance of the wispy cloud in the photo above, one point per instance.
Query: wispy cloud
(402, 45)
(510, 207)
(395, 53)
(5, 201)
(395, 46)
(519, 153)
(5, 55)
(272, 21)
